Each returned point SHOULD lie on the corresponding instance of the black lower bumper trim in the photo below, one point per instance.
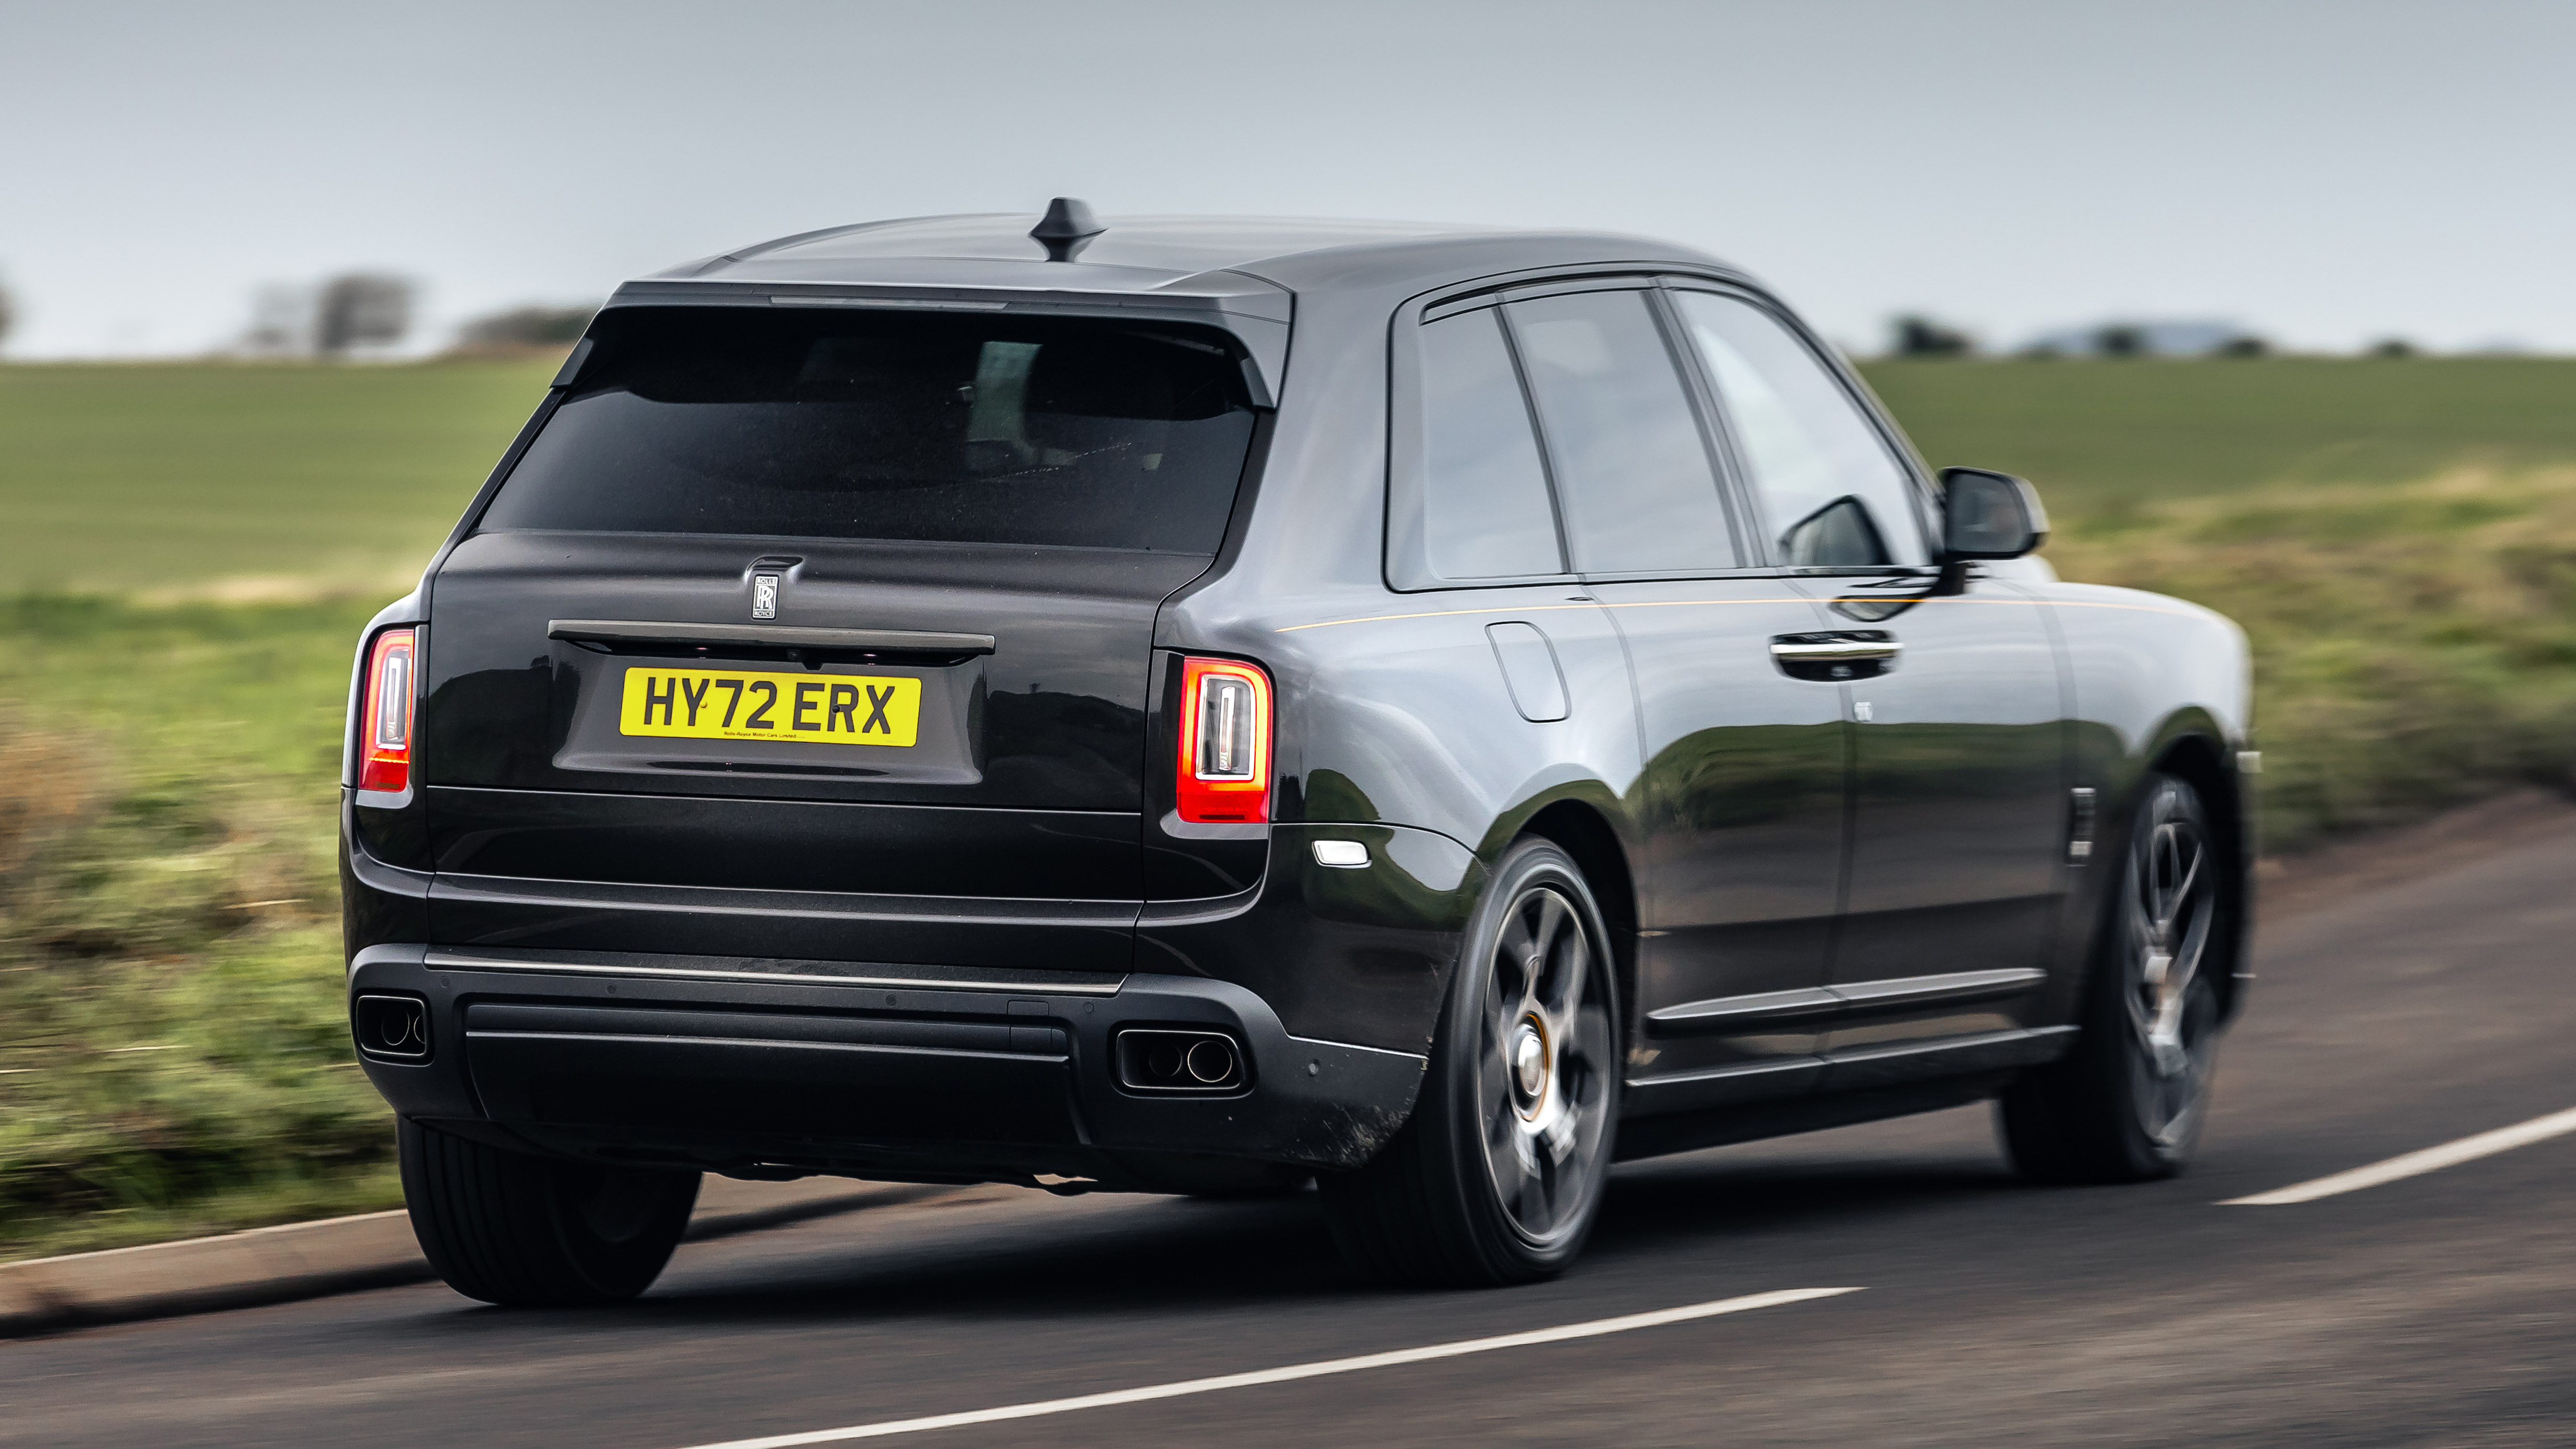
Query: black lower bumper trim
(780, 1075)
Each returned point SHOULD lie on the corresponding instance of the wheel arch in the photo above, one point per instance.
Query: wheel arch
(2199, 757)
(1583, 832)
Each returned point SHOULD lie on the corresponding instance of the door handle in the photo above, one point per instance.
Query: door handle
(1840, 654)
(1838, 651)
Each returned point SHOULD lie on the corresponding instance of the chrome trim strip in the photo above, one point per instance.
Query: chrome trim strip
(443, 961)
(641, 631)
(1822, 1000)
(1761, 1006)
(1953, 986)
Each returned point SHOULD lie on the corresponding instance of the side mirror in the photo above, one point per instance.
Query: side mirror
(1986, 514)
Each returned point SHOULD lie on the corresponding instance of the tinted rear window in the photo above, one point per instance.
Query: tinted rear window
(1485, 507)
(964, 429)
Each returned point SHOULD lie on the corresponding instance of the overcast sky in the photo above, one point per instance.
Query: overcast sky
(2324, 173)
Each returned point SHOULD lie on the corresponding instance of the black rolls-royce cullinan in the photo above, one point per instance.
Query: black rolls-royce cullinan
(1204, 706)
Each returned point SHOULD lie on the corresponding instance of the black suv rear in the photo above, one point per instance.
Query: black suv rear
(1216, 705)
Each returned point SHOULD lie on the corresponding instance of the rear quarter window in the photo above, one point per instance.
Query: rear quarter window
(874, 425)
(1485, 505)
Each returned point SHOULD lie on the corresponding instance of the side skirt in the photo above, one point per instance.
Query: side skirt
(1685, 1112)
(1689, 1132)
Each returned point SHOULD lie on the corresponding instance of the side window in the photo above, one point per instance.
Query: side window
(1834, 495)
(1485, 507)
(1632, 470)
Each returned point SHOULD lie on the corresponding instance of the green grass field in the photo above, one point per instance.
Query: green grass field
(126, 477)
(187, 552)
(123, 478)
(2110, 437)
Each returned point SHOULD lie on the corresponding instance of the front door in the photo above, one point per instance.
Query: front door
(1959, 820)
(1956, 856)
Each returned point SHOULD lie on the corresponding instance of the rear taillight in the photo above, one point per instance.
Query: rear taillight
(384, 724)
(1224, 775)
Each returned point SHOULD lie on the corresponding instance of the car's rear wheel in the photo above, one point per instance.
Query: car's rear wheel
(1499, 1173)
(2127, 1104)
(509, 1228)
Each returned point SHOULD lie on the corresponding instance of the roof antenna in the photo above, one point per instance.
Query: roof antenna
(1067, 228)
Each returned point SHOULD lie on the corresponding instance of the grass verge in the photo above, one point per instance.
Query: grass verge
(175, 1059)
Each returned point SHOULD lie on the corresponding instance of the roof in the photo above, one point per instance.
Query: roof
(1170, 254)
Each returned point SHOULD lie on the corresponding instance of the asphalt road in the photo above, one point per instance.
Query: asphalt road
(2431, 997)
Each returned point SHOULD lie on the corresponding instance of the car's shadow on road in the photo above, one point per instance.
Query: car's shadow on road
(1677, 1204)
(1121, 1258)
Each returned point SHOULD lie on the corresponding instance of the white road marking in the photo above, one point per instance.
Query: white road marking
(1593, 1329)
(2431, 1159)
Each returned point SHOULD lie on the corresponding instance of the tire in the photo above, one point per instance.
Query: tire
(1498, 1175)
(2127, 1104)
(538, 1232)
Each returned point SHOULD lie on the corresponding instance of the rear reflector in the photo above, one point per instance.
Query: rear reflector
(384, 724)
(1224, 774)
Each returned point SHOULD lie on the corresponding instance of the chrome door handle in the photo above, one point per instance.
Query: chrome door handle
(1837, 651)
(1836, 655)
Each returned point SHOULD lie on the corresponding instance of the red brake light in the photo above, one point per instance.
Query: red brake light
(384, 724)
(1224, 767)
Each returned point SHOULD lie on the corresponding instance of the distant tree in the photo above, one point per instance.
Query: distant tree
(1920, 336)
(2120, 340)
(361, 309)
(530, 326)
(2248, 345)
(2392, 347)
(8, 313)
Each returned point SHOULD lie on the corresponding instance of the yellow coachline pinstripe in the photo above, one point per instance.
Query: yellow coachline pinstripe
(1721, 603)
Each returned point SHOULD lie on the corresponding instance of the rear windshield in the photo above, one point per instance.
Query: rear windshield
(964, 429)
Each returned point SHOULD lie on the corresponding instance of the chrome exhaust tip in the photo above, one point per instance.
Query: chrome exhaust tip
(1153, 1059)
(391, 1028)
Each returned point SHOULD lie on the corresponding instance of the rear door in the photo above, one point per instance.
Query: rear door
(827, 610)
(1744, 774)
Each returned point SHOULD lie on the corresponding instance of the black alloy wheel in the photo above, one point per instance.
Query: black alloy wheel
(527, 1231)
(2127, 1104)
(1498, 1175)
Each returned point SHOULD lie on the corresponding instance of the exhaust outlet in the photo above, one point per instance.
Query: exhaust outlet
(394, 1028)
(1201, 1062)
(1211, 1062)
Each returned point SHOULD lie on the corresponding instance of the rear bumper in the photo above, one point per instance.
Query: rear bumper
(781, 1067)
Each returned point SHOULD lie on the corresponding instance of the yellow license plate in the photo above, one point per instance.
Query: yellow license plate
(731, 704)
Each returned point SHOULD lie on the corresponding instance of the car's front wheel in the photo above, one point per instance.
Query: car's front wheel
(534, 1231)
(1499, 1174)
(2127, 1104)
